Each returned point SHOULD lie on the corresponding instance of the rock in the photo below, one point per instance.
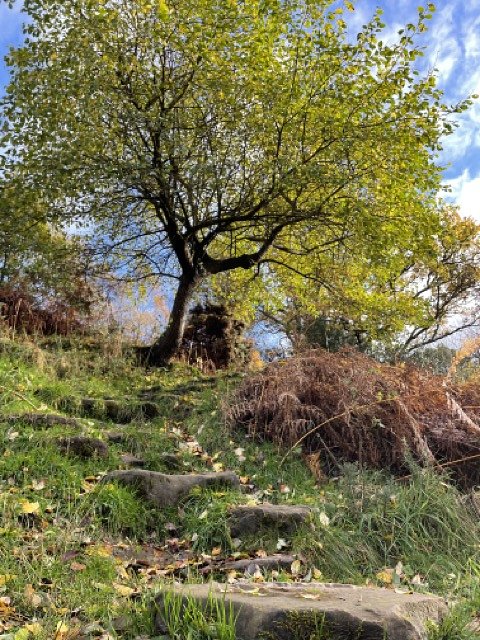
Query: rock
(150, 410)
(129, 460)
(281, 612)
(116, 437)
(83, 447)
(245, 520)
(167, 490)
(276, 562)
(171, 461)
(89, 406)
(115, 411)
(46, 420)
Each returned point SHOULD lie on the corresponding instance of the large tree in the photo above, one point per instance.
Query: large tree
(201, 137)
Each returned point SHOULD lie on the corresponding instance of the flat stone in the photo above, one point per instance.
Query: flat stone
(45, 420)
(83, 447)
(118, 412)
(150, 409)
(244, 519)
(171, 461)
(273, 611)
(129, 460)
(275, 562)
(116, 437)
(167, 490)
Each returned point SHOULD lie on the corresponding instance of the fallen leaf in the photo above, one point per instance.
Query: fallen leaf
(385, 576)
(77, 566)
(281, 544)
(123, 590)
(30, 508)
(324, 519)
(6, 577)
(296, 567)
(34, 628)
(61, 631)
(258, 575)
(317, 574)
(32, 597)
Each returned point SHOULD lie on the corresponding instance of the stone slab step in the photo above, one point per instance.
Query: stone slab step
(245, 519)
(164, 490)
(337, 612)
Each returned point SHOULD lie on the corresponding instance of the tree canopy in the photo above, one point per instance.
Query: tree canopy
(248, 145)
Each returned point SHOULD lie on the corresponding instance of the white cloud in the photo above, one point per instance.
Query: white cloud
(466, 194)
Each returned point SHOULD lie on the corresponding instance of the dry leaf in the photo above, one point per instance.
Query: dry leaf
(77, 566)
(34, 628)
(324, 519)
(385, 576)
(123, 590)
(281, 544)
(32, 597)
(30, 508)
(61, 632)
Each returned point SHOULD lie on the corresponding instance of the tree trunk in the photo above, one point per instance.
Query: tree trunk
(167, 345)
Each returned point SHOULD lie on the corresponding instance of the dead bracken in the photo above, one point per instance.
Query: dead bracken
(346, 407)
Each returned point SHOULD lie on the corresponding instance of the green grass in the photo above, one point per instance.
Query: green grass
(185, 619)
(61, 530)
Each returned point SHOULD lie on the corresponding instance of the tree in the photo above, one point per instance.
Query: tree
(41, 268)
(201, 137)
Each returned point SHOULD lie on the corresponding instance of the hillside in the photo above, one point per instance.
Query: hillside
(82, 557)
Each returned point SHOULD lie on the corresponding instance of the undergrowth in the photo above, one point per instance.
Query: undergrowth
(70, 543)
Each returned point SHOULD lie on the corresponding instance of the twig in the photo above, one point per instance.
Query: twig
(450, 463)
(19, 395)
(339, 415)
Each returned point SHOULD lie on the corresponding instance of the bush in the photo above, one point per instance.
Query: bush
(351, 409)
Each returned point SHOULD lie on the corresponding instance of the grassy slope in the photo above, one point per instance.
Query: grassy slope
(67, 544)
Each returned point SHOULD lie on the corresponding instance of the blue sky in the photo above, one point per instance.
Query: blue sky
(452, 46)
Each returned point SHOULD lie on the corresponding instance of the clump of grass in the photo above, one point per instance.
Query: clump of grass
(187, 618)
(205, 519)
(119, 511)
(457, 625)
(375, 522)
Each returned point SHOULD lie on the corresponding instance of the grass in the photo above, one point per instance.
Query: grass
(185, 619)
(69, 545)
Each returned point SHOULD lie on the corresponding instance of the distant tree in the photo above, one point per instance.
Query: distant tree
(40, 266)
(437, 359)
(203, 138)
(388, 308)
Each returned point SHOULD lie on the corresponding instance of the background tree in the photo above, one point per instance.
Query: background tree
(204, 137)
(45, 274)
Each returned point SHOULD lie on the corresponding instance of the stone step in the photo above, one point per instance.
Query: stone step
(164, 490)
(337, 612)
(43, 420)
(246, 519)
(83, 447)
(276, 562)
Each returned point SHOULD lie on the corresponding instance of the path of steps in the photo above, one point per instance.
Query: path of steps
(270, 611)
